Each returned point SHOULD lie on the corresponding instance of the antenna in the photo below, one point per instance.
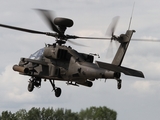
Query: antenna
(131, 16)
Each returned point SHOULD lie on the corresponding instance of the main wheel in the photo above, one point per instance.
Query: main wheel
(30, 86)
(119, 84)
(58, 92)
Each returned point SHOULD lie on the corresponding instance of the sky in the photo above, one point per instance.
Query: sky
(139, 99)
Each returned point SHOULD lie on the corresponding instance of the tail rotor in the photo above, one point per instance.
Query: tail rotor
(110, 33)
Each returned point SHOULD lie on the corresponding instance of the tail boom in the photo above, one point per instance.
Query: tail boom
(124, 39)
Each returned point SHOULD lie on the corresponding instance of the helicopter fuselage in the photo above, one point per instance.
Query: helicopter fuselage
(63, 63)
(59, 62)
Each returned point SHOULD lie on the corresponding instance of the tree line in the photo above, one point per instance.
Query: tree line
(92, 113)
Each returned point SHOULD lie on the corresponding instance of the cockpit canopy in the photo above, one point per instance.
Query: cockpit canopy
(37, 55)
(60, 54)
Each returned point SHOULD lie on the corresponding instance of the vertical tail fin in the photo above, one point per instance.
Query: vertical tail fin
(124, 39)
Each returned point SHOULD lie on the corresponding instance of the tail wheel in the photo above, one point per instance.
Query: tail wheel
(30, 86)
(119, 84)
(58, 92)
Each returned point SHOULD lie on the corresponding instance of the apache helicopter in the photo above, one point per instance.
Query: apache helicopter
(60, 62)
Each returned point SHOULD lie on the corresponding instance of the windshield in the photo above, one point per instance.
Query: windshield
(37, 55)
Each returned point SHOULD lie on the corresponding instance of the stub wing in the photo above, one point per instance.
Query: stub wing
(125, 70)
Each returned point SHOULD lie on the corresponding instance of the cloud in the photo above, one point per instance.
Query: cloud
(12, 86)
(144, 86)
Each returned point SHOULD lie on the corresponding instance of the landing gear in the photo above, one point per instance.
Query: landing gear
(119, 83)
(30, 86)
(57, 90)
(34, 82)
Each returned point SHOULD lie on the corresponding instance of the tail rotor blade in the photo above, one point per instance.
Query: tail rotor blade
(112, 26)
(110, 33)
(109, 52)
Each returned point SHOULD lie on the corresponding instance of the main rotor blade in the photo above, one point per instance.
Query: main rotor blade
(22, 29)
(29, 30)
(97, 38)
(75, 43)
(146, 40)
(49, 19)
(79, 37)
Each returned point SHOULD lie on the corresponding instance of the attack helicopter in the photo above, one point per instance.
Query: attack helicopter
(60, 62)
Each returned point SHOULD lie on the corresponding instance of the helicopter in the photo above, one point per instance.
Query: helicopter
(60, 62)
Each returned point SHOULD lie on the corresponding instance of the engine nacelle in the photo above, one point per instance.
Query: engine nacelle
(55, 53)
(87, 57)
